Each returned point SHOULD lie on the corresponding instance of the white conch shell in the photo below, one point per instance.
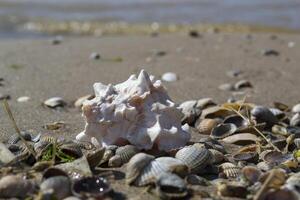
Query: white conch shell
(138, 110)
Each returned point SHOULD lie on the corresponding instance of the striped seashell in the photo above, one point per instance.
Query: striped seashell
(71, 149)
(173, 165)
(206, 125)
(123, 155)
(230, 170)
(196, 157)
(218, 156)
(136, 165)
(94, 157)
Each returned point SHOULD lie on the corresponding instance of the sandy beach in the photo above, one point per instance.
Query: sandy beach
(40, 70)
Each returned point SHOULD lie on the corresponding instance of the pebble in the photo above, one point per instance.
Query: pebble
(296, 108)
(95, 56)
(169, 77)
(23, 99)
(4, 96)
(54, 102)
(270, 52)
(226, 87)
(194, 34)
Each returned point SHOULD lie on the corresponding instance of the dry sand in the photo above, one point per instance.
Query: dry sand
(40, 70)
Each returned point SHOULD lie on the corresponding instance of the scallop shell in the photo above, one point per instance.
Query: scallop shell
(196, 157)
(263, 114)
(241, 139)
(170, 186)
(223, 130)
(122, 155)
(206, 125)
(135, 166)
(173, 165)
(230, 170)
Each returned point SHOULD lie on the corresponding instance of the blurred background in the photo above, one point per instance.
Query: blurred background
(38, 18)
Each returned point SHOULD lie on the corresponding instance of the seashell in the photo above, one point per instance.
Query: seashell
(242, 84)
(215, 112)
(237, 120)
(123, 155)
(196, 157)
(297, 142)
(250, 148)
(54, 102)
(61, 186)
(206, 125)
(190, 111)
(262, 114)
(293, 182)
(79, 102)
(41, 166)
(245, 156)
(277, 179)
(193, 179)
(135, 166)
(15, 186)
(77, 168)
(205, 103)
(169, 77)
(281, 194)
(94, 157)
(140, 103)
(277, 129)
(223, 130)
(71, 149)
(52, 172)
(84, 145)
(241, 139)
(251, 174)
(91, 187)
(277, 113)
(54, 125)
(230, 170)
(170, 186)
(295, 120)
(276, 157)
(108, 154)
(226, 87)
(14, 139)
(211, 143)
(281, 106)
(6, 156)
(232, 189)
(72, 198)
(173, 165)
(218, 157)
(296, 108)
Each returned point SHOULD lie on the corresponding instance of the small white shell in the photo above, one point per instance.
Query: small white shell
(169, 77)
(54, 102)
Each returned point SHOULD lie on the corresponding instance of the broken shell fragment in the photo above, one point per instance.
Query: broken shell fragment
(190, 111)
(223, 130)
(55, 102)
(138, 111)
(230, 170)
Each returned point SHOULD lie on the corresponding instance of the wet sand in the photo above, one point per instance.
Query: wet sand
(40, 70)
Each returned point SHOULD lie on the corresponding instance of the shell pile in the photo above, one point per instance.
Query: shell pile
(238, 150)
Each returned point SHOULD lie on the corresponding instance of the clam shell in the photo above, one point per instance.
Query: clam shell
(218, 156)
(296, 108)
(78, 103)
(276, 157)
(55, 102)
(232, 190)
(241, 139)
(263, 114)
(281, 106)
(282, 194)
(206, 125)
(135, 166)
(61, 186)
(215, 112)
(251, 174)
(205, 103)
(194, 179)
(211, 143)
(295, 120)
(297, 142)
(223, 130)
(280, 130)
(237, 120)
(94, 158)
(170, 186)
(196, 157)
(15, 186)
(71, 149)
(264, 166)
(91, 187)
(123, 155)
(277, 113)
(173, 165)
(52, 172)
(230, 170)
(246, 156)
(242, 84)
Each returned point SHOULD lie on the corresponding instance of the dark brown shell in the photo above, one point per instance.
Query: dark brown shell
(223, 130)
